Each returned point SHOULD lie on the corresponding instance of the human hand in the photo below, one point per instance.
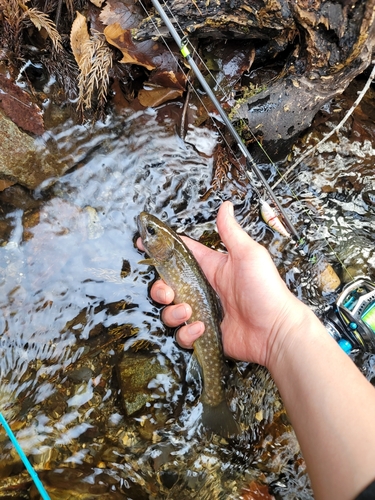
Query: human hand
(259, 310)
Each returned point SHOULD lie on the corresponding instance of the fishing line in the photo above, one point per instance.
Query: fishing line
(182, 43)
(194, 50)
(25, 460)
(333, 131)
(181, 68)
(192, 87)
(250, 163)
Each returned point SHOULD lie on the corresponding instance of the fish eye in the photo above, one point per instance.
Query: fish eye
(151, 230)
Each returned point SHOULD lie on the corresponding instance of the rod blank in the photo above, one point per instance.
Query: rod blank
(249, 159)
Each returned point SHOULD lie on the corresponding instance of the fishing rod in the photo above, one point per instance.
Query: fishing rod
(250, 162)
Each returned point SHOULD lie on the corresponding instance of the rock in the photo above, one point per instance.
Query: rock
(142, 379)
(18, 197)
(22, 160)
(357, 256)
(85, 483)
(328, 281)
(368, 197)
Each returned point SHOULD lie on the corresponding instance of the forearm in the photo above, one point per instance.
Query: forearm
(332, 409)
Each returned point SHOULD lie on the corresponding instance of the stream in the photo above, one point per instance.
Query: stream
(80, 334)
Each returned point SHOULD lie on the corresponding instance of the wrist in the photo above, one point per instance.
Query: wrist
(300, 326)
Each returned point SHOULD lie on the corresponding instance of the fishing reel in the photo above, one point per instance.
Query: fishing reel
(351, 322)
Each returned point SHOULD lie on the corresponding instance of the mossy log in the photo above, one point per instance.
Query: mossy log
(324, 45)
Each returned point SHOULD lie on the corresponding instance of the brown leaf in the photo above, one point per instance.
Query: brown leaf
(127, 14)
(256, 491)
(5, 184)
(17, 105)
(78, 36)
(165, 78)
(98, 3)
(142, 53)
(155, 97)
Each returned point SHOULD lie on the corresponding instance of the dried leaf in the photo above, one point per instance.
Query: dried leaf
(41, 20)
(98, 3)
(19, 108)
(256, 491)
(141, 53)
(127, 14)
(5, 184)
(95, 63)
(78, 36)
(155, 97)
(229, 61)
(171, 79)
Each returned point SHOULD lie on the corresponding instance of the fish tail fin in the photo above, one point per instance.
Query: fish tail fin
(219, 419)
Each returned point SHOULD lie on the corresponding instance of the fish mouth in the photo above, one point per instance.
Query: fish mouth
(141, 225)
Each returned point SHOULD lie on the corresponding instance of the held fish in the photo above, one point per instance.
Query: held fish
(177, 266)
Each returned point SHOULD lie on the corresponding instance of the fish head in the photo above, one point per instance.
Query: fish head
(156, 236)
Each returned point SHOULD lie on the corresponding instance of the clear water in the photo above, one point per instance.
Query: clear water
(74, 299)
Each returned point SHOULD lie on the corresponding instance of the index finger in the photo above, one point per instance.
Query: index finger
(208, 259)
(162, 293)
(140, 244)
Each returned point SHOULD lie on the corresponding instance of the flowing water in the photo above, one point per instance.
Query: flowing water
(76, 317)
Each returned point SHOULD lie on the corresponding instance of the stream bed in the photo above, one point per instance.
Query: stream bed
(93, 383)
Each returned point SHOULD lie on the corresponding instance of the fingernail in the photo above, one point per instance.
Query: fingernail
(230, 210)
(180, 312)
(195, 328)
(160, 295)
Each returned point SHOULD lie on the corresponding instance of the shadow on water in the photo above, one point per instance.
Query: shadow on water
(92, 382)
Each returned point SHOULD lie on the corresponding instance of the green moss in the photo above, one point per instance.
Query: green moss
(247, 92)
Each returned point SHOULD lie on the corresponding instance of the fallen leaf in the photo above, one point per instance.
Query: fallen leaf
(141, 53)
(155, 97)
(127, 14)
(5, 184)
(171, 79)
(256, 491)
(17, 105)
(78, 36)
(98, 3)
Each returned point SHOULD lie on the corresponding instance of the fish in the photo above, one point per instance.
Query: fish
(177, 266)
(271, 219)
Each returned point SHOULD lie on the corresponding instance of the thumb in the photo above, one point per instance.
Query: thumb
(231, 233)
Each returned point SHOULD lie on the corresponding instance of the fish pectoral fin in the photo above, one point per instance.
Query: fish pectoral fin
(147, 262)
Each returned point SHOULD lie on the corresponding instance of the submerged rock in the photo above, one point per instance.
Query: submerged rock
(86, 484)
(22, 160)
(357, 256)
(143, 378)
(328, 281)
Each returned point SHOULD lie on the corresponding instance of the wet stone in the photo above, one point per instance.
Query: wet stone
(328, 281)
(85, 484)
(369, 198)
(358, 257)
(83, 374)
(19, 197)
(136, 373)
(15, 486)
(21, 160)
